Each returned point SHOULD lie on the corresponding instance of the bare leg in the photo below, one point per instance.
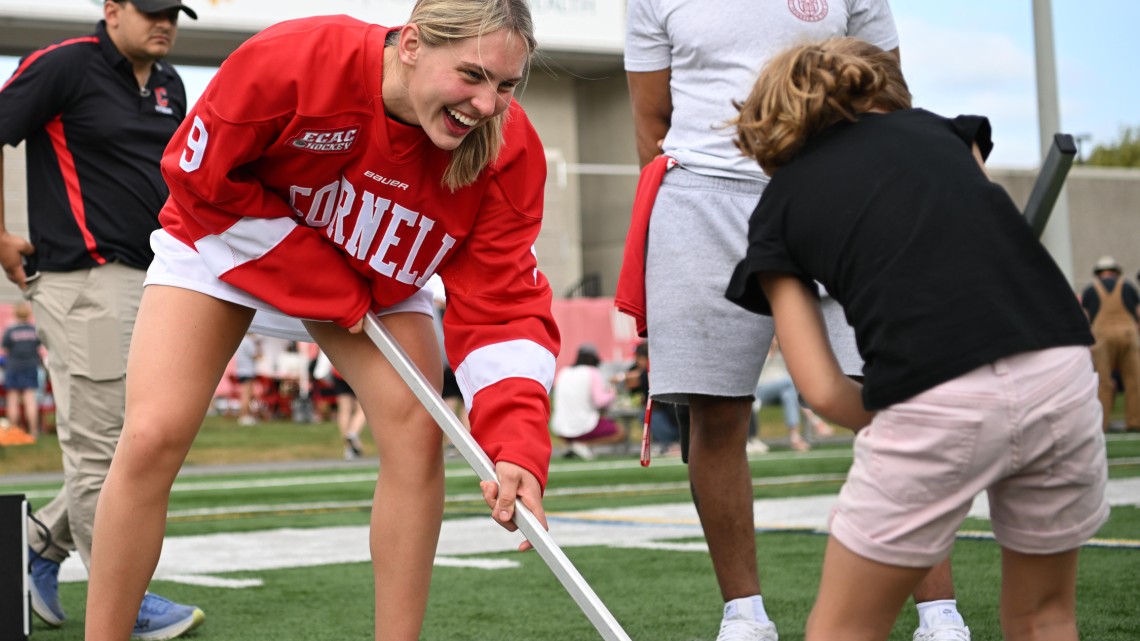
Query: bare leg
(408, 506)
(345, 407)
(796, 439)
(937, 585)
(859, 599)
(1039, 596)
(358, 421)
(31, 412)
(722, 490)
(181, 345)
(12, 409)
(245, 400)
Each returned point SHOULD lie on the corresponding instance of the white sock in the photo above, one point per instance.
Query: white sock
(935, 613)
(748, 608)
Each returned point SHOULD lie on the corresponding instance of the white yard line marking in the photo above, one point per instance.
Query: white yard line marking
(601, 490)
(556, 469)
(205, 556)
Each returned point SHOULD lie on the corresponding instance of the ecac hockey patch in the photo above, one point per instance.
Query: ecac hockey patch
(325, 141)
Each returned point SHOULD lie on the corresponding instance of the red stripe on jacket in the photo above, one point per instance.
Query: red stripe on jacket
(71, 181)
(36, 55)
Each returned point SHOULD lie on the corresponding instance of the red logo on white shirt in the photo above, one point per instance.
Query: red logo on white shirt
(808, 10)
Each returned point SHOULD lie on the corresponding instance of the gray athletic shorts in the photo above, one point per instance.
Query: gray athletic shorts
(699, 342)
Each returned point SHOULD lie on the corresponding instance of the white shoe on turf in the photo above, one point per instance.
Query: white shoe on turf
(582, 451)
(944, 632)
(745, 630)
(756, 446)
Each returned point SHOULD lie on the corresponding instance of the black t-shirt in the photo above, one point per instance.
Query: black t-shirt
(94, 143)
(933, 263)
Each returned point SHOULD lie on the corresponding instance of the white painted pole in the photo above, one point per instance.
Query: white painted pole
(526, 521)
(1056, 238)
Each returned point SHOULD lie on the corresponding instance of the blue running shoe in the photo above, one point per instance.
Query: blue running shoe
(160, 619)
(44, 585)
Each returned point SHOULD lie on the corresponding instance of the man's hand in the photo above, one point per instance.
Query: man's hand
(514, 483)
(12, 251)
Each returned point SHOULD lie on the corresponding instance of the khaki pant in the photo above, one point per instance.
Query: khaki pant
(1118, 348)
(85, 319)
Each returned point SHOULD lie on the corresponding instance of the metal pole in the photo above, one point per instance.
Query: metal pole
(526, 521)
(1056, 237)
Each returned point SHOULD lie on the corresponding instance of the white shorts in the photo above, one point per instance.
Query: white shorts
(177, 265)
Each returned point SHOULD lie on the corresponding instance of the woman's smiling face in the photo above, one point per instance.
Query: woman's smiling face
(451, 89)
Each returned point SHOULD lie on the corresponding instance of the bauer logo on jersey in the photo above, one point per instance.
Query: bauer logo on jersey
(325, 141)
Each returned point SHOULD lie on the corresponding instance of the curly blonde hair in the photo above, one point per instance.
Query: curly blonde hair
(445, 21)
(807, 88)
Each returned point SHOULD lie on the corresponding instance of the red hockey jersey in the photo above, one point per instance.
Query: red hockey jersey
(291, 182)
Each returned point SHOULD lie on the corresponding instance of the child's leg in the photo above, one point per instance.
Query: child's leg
(1039, 596)
(408, 505)
(31, 411)
(12, 408)
(859, 599)
(181, 344)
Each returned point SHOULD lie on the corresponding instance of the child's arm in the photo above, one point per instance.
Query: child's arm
(807, 351)
(981, 161)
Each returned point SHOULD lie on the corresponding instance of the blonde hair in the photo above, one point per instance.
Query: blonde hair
(443, 22)
(807, 88)
(22, 311)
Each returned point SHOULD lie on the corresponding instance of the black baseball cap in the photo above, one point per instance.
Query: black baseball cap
(158, 6)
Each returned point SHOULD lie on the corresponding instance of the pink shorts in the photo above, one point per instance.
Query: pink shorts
(1026, 429)
(605, 427)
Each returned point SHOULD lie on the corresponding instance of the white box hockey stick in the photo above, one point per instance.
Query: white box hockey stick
(526, 521)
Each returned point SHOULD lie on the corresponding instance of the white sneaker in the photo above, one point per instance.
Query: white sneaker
(740, 621)
(945, 632)
(745, 630)
(582, 450)
(756, 446)
(247, 420)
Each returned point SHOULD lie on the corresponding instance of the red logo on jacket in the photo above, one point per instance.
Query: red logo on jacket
(160, 97)
(808, 10)
(325, 141)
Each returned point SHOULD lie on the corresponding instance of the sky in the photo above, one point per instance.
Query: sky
(977, 57)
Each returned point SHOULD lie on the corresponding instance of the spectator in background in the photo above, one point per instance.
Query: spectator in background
(22, 370)
(245, 372)
(350, 419)
(663, 415)
(580, 398)
(450, 392)
(776, 386)
(1113, 308)
(96, 112)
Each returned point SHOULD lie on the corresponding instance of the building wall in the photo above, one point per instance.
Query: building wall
(15, 208)
(549, 103)
(608, 173)
(1103, 208)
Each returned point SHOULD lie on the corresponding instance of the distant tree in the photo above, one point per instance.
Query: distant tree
(1124, 152)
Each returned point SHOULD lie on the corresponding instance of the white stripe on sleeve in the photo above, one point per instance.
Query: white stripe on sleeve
(512, 359)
